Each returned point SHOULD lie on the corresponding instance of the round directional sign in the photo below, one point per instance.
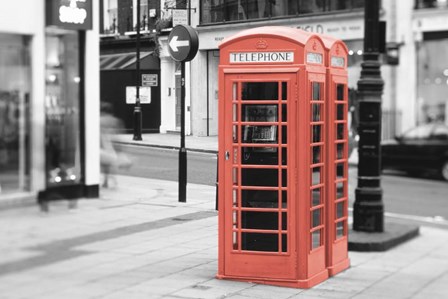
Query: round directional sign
(183, 43)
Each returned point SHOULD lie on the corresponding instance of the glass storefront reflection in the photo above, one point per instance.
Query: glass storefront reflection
(63, 165)
(432, 81)
(15, 72)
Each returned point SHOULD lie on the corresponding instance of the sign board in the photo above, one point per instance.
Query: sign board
(69, 14)
(180, 17)
(150, 80)
(183, 43)
(251, 57)
(131, 95)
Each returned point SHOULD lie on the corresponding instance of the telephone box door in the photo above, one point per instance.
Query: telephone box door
(260, 236)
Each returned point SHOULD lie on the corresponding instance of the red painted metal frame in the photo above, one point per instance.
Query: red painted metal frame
(300, 264)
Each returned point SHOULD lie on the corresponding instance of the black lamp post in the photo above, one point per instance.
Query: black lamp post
(137, 107)
(368, 210)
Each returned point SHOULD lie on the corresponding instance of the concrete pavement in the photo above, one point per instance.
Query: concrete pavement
(138, 241)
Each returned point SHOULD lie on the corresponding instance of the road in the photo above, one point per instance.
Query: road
(420, 200)
(162, 164)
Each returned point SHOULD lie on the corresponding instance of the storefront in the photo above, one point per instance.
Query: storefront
(49, 100)
(204, 98)
(431, 32)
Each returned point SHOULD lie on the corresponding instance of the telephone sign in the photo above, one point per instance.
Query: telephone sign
(183, 43)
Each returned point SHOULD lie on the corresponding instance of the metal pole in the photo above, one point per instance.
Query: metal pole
(137, 107)
(182, 150)
(368, 209)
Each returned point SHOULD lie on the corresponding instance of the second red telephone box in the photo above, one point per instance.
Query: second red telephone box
(273, 158)
(337, 155)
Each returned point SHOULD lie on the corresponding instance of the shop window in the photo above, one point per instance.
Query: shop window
(15, 72)
(432, 78)
(62, 139)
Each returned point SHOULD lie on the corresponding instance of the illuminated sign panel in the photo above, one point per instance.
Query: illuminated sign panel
(337, 61)
(69, 14)
(314, 58)
(255, 57)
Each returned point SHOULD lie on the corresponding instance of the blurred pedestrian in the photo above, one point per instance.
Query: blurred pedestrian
(110, 158)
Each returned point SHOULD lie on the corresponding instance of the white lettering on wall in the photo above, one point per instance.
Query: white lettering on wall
(72, 14)
(250, 57)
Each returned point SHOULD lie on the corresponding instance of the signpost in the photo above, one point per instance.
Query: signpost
(183, 44)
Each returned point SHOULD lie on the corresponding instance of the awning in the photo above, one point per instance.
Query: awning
(127, 61)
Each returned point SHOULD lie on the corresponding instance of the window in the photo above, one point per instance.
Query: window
(62, 124)
(216, 11)
(15, 89)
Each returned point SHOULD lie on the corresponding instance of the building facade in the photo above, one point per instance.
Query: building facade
(118, 50)
(49, 100)
(414, 70)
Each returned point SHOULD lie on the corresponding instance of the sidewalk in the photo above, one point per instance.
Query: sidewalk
(138, 241)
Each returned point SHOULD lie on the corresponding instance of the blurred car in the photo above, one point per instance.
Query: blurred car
(421, 149)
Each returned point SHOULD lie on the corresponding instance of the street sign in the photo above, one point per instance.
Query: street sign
(149, 80)
(180, 17)
(183, 43)
(131, 95)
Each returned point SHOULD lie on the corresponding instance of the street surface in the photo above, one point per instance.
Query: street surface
(426, 202)
(163, 164)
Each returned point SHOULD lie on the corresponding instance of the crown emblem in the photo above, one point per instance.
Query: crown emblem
(261, 44)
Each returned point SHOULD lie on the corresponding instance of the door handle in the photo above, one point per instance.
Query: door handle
(227, 155)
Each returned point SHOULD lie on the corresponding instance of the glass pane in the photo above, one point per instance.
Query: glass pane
(235, 219)
(235, 240)
(235, 112)
(259, 113)
(316, 198)
(284, 135)
(284, 243)
(340, 151)
(15, 94)
(234, 91)
(260, 155)
(259, 220)
(340, 229)
(259, 242)
(340, 92)
(63, 160)
(284, 156)
(259, 199)
(235, 197)
(340, 130)
(284, 91)
(316, 133)
(340, 112)
(235, 134)
(316, 221)
(284, 221)
(284, 113)
(316, 239)
(340, 209)
(316, 112)
(316, 176)
(284, 178)
(260, 91)
(260, 177)
(235, 176)
(316, 91)
(340, 192)
(316, 154)
(340, 171)
(259, 134)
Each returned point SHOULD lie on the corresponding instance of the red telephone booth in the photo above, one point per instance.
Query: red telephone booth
(337, 155)
(273, 158)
